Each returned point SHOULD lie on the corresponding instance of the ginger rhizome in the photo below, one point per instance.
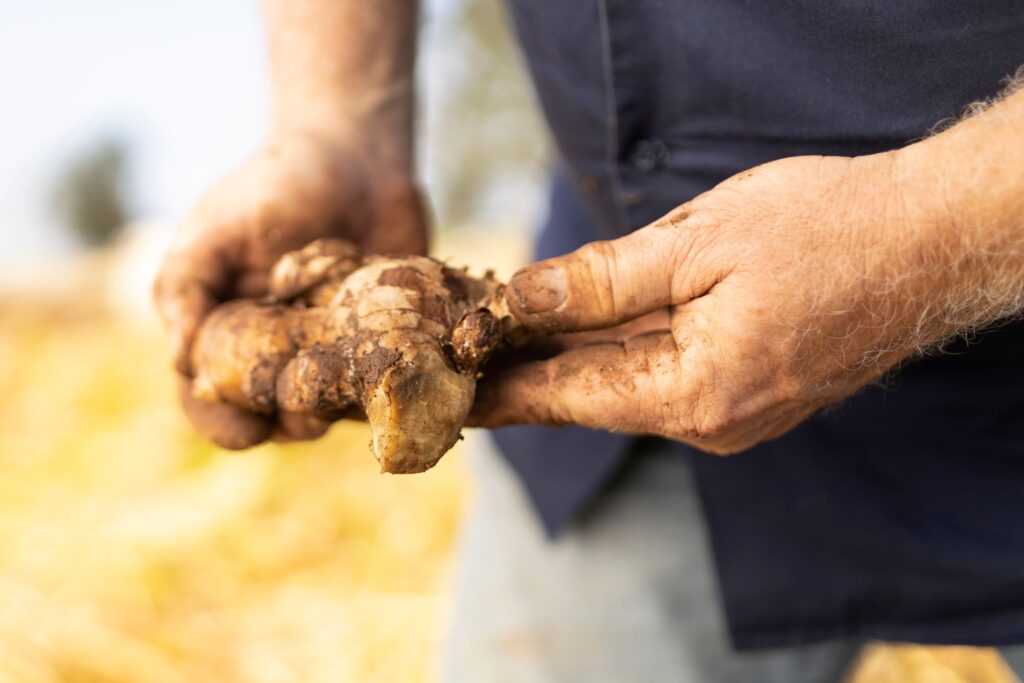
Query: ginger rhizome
(397, 339)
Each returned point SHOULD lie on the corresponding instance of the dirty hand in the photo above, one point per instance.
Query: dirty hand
(298, 188)
(787, 287)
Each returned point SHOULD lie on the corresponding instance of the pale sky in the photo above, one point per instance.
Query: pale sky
(184, 81)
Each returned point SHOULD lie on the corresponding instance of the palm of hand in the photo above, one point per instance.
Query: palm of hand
(290, 193)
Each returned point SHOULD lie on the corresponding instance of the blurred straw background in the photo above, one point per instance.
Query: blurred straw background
(130, 550)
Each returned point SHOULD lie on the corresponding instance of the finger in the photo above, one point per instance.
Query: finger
(298, 427)
(626, 387)
(589, 387)
(607, 283)
(184, 292)
(652, 322)
(542, 347)
(223, 424)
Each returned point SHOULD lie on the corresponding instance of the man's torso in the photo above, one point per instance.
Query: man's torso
(896, 514)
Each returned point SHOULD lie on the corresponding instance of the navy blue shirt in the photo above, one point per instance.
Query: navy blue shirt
(900, 514)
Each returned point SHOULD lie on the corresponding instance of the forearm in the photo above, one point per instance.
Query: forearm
(344, 69)
(967, 184)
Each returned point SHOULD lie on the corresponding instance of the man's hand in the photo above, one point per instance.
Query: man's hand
(293, 191)
(338, 164)
(788, 287)
(777, 286)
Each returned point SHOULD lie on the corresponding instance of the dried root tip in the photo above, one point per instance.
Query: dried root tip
(299, 271)
(513, 333)
(474, 339)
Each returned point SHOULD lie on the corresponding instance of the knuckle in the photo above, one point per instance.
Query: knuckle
(598, 254)
(714, 411)
(600, 261)
(714, 422)
(558, 409)
(692, 265)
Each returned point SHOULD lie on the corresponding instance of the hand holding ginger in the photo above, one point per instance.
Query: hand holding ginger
(399, 339)
(786, 288)
(337, 163)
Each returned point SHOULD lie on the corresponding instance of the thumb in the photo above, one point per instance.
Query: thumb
(607, 283)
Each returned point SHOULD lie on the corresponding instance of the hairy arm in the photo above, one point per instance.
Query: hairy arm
(788, 287)
(969, 181)
(340, 66)
(337, 163)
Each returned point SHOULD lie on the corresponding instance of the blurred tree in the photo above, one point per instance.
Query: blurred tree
(488, 137)
(89, 195)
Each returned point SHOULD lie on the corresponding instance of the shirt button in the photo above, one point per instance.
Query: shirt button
(648, 155)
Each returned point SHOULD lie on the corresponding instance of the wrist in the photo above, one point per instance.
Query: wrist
(962, 207)
(378, 126)
(380, 145)
(345, 71)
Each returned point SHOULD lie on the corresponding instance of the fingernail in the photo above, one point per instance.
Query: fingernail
(539, 290)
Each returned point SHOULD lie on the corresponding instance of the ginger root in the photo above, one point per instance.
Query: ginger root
(397, 339)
